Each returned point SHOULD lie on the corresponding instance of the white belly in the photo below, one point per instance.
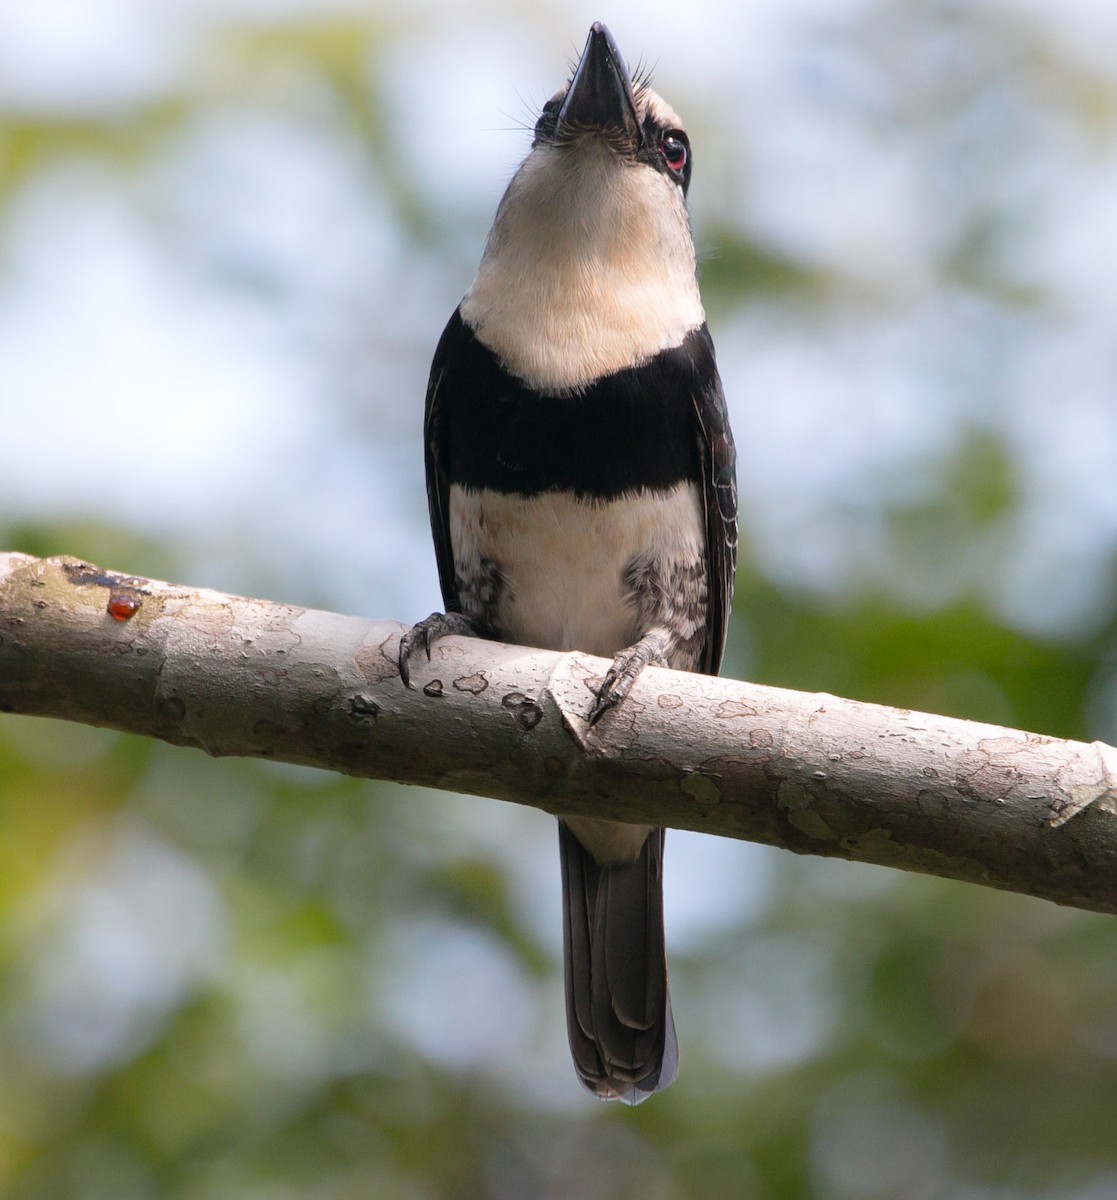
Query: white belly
(562, 561)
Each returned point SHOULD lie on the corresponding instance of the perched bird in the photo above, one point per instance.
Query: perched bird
(580, 474)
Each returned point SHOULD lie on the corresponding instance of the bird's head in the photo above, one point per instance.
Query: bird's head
(589, 266)
(602, 107)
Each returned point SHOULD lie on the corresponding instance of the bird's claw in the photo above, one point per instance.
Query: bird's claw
(625, 670)
(422, 636)
(606, 697)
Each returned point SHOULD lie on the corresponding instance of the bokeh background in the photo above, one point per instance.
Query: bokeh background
(230, 234)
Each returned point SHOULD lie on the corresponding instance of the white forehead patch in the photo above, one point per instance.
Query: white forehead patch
(652, 104)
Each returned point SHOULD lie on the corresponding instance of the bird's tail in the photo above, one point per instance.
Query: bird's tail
(618, 1011)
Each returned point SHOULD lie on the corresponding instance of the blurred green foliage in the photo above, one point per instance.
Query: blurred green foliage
(228, 979)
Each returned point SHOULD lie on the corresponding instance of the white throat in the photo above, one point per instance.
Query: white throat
(589, 268)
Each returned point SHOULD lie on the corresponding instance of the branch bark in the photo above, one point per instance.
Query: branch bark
(809, 772)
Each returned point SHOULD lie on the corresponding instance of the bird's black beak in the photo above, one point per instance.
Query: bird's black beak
(600, 98)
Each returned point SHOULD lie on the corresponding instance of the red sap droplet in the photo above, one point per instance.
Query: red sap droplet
(123, 604)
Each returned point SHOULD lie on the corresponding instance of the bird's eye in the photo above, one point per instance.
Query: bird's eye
(675, 150)
(545, 126)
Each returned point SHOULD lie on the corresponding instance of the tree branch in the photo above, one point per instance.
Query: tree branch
(812, 773)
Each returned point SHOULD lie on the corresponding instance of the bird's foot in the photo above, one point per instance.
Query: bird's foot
(650, 650)
(423, 635)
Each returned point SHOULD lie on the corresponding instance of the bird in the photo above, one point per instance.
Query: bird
(581, 483)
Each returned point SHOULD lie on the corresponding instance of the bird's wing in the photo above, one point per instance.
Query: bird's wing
(437, 452)
(719, 496)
